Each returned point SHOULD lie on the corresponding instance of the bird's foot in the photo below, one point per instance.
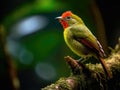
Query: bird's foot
(81, 60)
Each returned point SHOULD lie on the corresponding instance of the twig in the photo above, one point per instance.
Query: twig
(11, 69)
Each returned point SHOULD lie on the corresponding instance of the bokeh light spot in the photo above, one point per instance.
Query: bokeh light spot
(28, 25)
(19, 52)
(45, 71)
(25, 57)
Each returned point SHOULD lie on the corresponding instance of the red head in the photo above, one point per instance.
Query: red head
(68, 19)
(63, 17)
(66, 14)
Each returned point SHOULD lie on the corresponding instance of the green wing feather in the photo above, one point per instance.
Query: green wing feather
(83, 35)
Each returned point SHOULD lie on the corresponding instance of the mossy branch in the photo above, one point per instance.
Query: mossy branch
(91, 76)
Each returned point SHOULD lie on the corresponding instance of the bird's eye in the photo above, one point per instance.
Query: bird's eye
(68, 18)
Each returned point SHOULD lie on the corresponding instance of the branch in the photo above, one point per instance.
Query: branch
(10, 69)
(90, 76)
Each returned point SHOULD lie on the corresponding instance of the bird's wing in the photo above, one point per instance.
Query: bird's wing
(84, 36)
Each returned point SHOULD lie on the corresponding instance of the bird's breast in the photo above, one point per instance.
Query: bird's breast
(77, 47)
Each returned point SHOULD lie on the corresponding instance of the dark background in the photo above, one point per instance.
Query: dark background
(38, 54)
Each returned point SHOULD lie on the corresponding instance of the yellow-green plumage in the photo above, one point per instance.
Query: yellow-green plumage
(79, 31)
(79, 38)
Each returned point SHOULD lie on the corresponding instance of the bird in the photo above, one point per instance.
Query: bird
(80, 39)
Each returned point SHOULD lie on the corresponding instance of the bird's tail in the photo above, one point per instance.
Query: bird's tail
(107, 72)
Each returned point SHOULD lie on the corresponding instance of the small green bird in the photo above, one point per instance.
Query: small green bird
(80, 39)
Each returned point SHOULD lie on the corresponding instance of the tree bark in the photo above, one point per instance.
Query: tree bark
(91, 76)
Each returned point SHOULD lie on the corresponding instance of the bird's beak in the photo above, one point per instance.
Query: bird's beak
(59, 18)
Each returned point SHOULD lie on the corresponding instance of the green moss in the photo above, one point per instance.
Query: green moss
(63, 84)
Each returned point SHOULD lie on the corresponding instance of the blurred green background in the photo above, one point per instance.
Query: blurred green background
(34, 39)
